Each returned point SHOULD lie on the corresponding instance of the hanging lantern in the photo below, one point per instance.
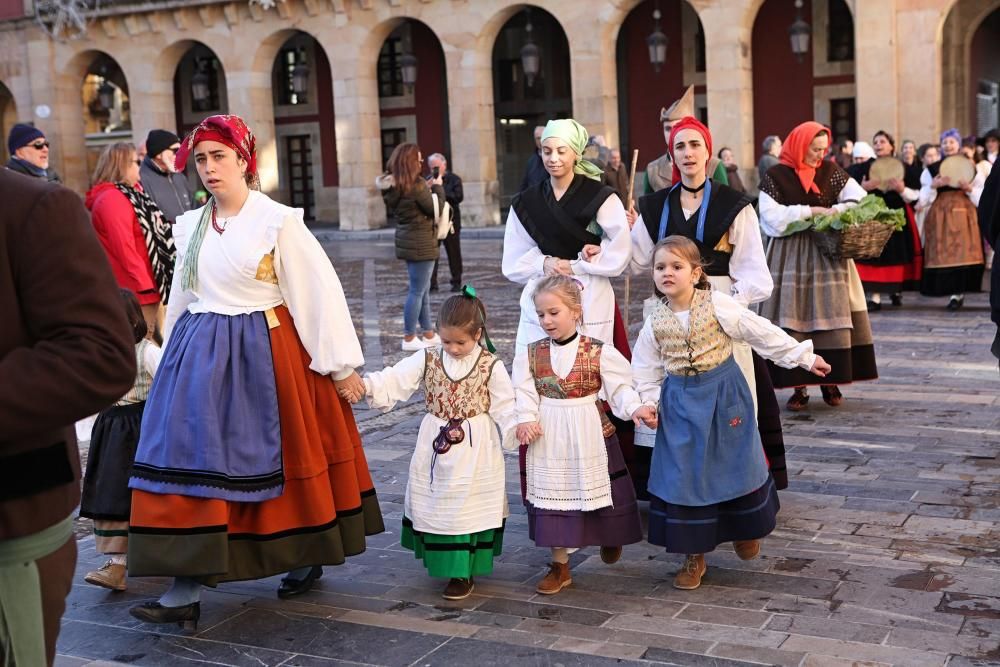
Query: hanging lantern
(300, 76)
(799, 33)
(201, 91)
(530, 57)
(408, 65)
(106, 95)
(657, 43)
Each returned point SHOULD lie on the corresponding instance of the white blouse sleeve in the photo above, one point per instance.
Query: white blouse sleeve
(768, 340)
(525, 396)
(151, 356)
(849, 195)
(616, 381)
(647, 365)
(775, 217)
(748, 267)
(642, 247)
(978, 183)
(503, 404)
(392, 384)
(316, 301)
(928, 193)
(522, 259)
(180, 299)
(910, 195)
(616, 243)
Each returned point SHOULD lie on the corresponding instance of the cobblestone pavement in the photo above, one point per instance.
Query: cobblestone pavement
(887, 550)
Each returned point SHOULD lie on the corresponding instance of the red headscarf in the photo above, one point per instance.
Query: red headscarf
(688, 123)
(793, 152)
(225, 129)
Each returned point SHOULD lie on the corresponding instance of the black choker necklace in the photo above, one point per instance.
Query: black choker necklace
(565, 341)
(694, 190)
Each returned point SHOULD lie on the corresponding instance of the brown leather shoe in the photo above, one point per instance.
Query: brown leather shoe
(557, 579)
(689, 576)
(611, 554)
(798, 400)
(111, 575)
(832, 395)
(458, 589)
(747, 549)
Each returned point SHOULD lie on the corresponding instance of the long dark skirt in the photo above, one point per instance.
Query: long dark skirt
(113, 440)
(612, 526)
(684, 529)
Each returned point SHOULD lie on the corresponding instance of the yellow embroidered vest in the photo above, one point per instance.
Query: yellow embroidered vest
(459, 398)
(702, 347)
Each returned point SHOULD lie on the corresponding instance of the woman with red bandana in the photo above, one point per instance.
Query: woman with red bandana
(723, 224)
(249, 463)
(815, 298)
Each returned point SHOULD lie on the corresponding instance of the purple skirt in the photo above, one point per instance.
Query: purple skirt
(612, 526)
(684, 529)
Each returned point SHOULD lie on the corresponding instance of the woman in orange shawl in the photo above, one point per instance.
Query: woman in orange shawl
(814, 297)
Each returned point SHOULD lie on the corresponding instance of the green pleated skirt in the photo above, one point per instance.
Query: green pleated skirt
(454, 556)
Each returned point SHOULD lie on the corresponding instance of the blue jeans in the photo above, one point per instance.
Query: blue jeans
(418, 297)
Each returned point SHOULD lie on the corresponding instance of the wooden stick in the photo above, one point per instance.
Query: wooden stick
(628, 204)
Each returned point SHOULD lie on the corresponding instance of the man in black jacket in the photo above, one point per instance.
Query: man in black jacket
(159, 176)
(452, 243)
(29, 153)
(989, 223)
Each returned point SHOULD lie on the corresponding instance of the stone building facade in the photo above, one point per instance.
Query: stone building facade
(910, 67)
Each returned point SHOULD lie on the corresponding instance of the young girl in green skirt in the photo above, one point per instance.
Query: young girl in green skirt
(456, 501)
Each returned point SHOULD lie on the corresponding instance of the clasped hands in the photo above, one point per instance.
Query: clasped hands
(553, 265)
(352, 388)
(528, 432)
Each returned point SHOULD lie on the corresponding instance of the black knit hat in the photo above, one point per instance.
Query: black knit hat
(160, 140)
(21, 135)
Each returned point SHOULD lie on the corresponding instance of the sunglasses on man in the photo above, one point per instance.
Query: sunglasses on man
(39, 145)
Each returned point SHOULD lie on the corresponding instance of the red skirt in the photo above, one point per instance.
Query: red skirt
(901, 264)
(326, 510)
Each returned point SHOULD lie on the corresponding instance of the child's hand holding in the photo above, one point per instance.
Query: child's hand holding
(528, 432)
(352, 388)
(820, 367)
(647, 415)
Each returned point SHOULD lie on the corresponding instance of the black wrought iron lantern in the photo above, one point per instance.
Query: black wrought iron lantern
(408, 65)
(300, 76)
(531, 57)
(106, 95)
(657, 43)
(201, 91)
(799, 33)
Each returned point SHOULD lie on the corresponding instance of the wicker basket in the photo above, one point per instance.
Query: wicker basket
(864, 241)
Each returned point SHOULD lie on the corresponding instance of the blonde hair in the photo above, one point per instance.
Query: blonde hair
(567, 289)
(687, 250)
(113, 163)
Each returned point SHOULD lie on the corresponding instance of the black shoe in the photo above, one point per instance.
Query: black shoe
(456, 288)
(289, 587)
(897, 298)
(154, 612)
(955, 304)
(434, 288)
(874, 307)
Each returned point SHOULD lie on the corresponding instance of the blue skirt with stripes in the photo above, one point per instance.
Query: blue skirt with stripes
(684, 529)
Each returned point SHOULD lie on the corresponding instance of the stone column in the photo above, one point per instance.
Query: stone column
(472, 128)
(728, 26)
(919, 70)
(876, 73)
(249, 93)
(591, 29)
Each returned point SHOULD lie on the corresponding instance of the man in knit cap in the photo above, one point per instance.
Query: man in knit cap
(160, 179)
(658, 172)
(29, 152)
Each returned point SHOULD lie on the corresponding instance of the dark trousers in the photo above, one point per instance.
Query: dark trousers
(453, 246)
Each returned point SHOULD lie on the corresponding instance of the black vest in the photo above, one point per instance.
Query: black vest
(723, 207)
(560, 227)
(782, 184)
(893, 199)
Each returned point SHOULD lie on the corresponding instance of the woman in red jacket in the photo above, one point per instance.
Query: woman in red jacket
(136, 238)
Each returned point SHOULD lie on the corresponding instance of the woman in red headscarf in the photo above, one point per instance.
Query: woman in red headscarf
(249, 463)
(815, 298)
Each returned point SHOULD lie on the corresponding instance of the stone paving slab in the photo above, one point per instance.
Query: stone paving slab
(887, 550)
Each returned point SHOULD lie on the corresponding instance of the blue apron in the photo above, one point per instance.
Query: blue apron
(707, 449)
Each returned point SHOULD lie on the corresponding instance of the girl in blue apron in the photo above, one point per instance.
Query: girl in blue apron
(709, 481)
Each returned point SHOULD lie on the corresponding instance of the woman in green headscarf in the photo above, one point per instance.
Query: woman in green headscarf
(570, 224)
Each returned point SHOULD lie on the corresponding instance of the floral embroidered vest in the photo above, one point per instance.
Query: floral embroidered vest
(702, 347)
(584, 379)
(461, 398)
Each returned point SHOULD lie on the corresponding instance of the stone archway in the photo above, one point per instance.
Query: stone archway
(969, 57)
(199, 87)
(520, 105)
